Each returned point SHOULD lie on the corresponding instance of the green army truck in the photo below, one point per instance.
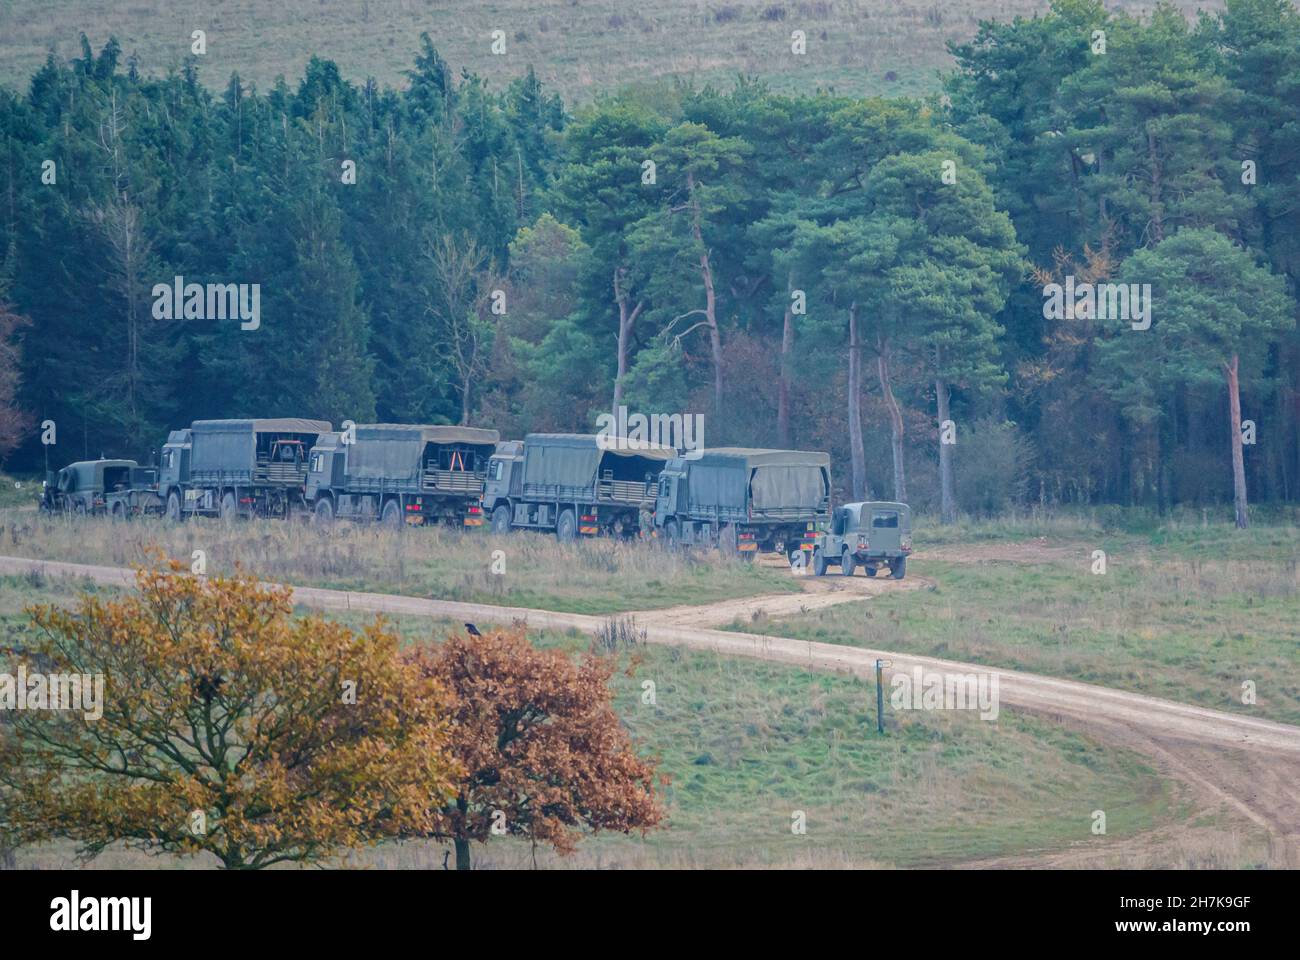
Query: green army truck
(744, 500)
(870, 535)
(577, 485)
(400, 474)
(238, 468)
(118, 488)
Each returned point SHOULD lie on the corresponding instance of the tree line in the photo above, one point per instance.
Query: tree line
(863, 276)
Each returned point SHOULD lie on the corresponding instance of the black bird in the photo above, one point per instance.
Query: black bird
(473, 630)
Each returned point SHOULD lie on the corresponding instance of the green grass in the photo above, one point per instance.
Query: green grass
(746, 744)
(595, 576)
(867, 47)
(1186, 612)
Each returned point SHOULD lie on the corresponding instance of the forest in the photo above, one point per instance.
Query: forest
(867, 277)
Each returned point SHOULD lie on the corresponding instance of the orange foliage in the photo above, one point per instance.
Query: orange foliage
(537, 740)
(218, 700)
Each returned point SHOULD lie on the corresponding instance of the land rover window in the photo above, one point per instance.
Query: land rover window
(884, 520)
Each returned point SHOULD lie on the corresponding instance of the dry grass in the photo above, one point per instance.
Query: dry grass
(594, 576)
(875, 47)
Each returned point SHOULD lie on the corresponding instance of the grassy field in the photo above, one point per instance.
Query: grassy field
(596, 576)
(1184, 611)
(746, 744)
(877, 47)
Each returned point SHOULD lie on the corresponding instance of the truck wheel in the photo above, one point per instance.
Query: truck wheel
(392, 516)
(501, 519)
(566, 528)
(898, 569)
(324, 511)
(848, 564)
(229, 506)
(119, 511)
(819, 562)
(174, 507)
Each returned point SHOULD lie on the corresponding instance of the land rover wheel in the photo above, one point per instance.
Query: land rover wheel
(501, 519)
(848, 564)
(324, 512)
(229, 506)
(898, 569)
(174, 507)
(392, 515)
(819, 562)
(566, 528)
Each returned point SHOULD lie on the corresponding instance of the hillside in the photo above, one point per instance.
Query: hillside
(579, 49)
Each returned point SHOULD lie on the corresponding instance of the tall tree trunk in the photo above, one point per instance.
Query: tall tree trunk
(895, 419)
(947, 500)
(857, 454)
(1238, 455)
(626, 321)
(783, 390)
(462, 853)
(710, 296)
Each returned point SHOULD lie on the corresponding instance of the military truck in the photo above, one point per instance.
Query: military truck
(238, 468)
(400, 473)
(870, 535)
(578, 485)
(119, 488)
(744, 500)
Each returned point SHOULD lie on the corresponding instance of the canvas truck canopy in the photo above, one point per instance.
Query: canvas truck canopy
(394, 451)
(776, 479)
(89, 474)
(572, 459)
(232, 444)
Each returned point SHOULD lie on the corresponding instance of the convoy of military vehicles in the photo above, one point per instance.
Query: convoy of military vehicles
(739, 500)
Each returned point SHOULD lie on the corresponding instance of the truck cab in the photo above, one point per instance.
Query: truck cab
(871, 534)
(504, 480)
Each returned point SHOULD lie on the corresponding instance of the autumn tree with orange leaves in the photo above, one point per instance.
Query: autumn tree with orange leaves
(542, 753)
(229, 727)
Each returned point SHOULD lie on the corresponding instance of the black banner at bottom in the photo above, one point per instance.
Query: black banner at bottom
(333, 909)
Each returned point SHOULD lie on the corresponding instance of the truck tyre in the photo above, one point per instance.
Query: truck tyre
(501, 519)
(174, 507)
(392, 515)
(848, 563)
(819, 562)
(229, 506)
(566, 528)
(898, 569)
(119, 511)
(672, 535)
(324, 511)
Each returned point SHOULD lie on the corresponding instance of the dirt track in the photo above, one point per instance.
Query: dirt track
(1246, 766)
